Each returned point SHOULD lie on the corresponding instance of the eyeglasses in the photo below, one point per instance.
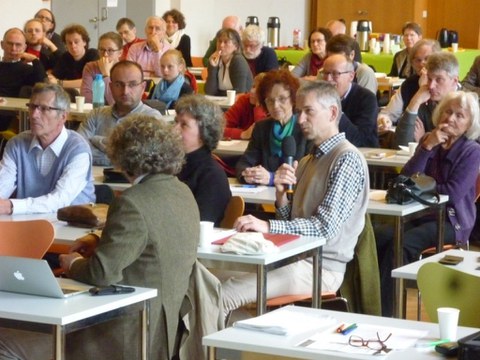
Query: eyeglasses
(44, 18)
(334, 74)
(282, 100)
(374, 344)
(108, 51)
(130, 85)
(43, 108)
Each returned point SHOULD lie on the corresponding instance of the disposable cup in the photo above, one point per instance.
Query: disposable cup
(448, 323)
(206, 231)
(454, 47)
(231, 97)
(80, 101)
(412, 146)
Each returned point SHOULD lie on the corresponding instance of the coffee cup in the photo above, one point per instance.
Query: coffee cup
(448, 323)
(231, 97)
(206, 231)
(80, 102)
(454, 47)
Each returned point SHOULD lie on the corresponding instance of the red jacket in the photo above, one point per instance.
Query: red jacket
(241, 116)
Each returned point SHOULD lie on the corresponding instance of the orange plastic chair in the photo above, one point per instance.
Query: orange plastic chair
(31, 238)
(235, 208)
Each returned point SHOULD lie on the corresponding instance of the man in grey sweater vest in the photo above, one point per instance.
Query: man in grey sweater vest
(330, 201)
(47, 167)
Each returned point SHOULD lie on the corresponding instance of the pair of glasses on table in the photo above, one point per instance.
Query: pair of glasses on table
(373, 344)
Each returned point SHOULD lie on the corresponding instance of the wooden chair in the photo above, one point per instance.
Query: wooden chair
(31, 238)
(443, 286)
(235, 208)
(197, 61)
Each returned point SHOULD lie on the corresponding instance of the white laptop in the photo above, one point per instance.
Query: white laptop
(34, 277)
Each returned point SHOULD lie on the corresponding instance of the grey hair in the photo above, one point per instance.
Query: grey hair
(443, 61)
(468, 101)
(253, 33)
(62, 99)
(326, 93)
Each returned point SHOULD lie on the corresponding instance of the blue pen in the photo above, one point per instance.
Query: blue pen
(349, 329)
(245, 186)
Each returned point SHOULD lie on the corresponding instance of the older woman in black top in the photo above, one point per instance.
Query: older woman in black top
(201, 124)
(276, 93)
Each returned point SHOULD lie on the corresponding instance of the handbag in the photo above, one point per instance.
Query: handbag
(419, 187)
(86, 215)
(111, 175)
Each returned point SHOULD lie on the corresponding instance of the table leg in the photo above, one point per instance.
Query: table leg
(317, 279)
(398, 293)
(261, 290)
(145, 338)
(441, 227)
(211, 353)
(59, 342)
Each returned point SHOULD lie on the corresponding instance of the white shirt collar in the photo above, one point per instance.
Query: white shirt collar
(56, 146)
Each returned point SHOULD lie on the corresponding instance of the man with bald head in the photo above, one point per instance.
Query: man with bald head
(338, 27)
(147, 53)
(17, 69)
(230, 22)
(358, 104)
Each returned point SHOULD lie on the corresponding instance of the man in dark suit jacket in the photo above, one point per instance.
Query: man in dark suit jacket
(359, 105)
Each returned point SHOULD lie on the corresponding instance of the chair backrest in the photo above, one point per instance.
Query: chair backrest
(234, 209)
(31, 238)
(442, 286)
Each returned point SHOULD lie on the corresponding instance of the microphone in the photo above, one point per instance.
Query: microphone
(289, 148)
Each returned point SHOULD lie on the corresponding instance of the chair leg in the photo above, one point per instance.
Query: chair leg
(419, 306)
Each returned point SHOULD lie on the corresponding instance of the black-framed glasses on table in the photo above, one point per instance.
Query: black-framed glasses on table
(373, 344)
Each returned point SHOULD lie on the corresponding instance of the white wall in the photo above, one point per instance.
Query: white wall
(16, 12)
(204, 17)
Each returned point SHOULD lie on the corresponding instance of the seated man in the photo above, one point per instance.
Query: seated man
(15, 70)
(442, 75)
(148, 52)
(338, 27)
(359, 105)
(260, 58)
(127, 87)
(330, 201)
(127, 30)
(364, 75)
(229, 22)
(471, 82)
(48, 167)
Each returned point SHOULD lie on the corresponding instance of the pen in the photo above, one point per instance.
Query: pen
(433, 343)
(340, 328)
(349, 329)
(245, 186)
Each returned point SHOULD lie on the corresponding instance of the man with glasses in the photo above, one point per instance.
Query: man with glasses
(127, 30)
(260, 58)
(127, 87)
(359, 105)
(15, 72)
(148, 53)
(48, 167)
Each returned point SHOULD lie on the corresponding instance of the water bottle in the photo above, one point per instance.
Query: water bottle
(98, 88)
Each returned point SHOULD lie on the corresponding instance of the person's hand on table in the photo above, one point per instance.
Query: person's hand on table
(251, 223)
(6, 207)
(66, 260)
(85, 245)
(256, 175)
(384, 123)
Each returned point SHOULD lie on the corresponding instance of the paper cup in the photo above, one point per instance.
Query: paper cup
(412, 146)
(206, 231)
(454, 47)
(448, 323)
(80, 101)
(231, 97)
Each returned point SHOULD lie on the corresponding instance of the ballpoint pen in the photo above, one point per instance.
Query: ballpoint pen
(349, 329)
(340, 328)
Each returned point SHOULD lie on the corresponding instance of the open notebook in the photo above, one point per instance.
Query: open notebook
(34, 277)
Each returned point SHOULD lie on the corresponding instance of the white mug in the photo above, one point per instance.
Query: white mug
(206, 231)
(80, 101)
(231, 97)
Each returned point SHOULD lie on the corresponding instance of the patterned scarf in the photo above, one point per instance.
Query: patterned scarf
(279, 133)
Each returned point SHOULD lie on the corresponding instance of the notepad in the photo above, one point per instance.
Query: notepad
(239, 188)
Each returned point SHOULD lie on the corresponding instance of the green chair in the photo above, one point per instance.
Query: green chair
(443, 286)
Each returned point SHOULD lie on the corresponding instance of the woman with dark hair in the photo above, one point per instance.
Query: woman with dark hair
(200, 123)
(110, 48)
(48, 20)
(176, 35)
(308, 66)
(276, 94)
(227, 68)
(69, 68)
(401, 66)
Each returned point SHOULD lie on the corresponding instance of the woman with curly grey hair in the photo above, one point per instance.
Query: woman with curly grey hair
(201, 123)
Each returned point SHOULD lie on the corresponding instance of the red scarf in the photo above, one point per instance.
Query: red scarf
(316, 64)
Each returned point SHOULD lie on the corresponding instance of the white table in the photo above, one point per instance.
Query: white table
(231, 147)
(221, 101)
(97, 172)
(402, 214)
(296, 250)
(234, 341)
(384, 157)
(409, 272)
(62, 316)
